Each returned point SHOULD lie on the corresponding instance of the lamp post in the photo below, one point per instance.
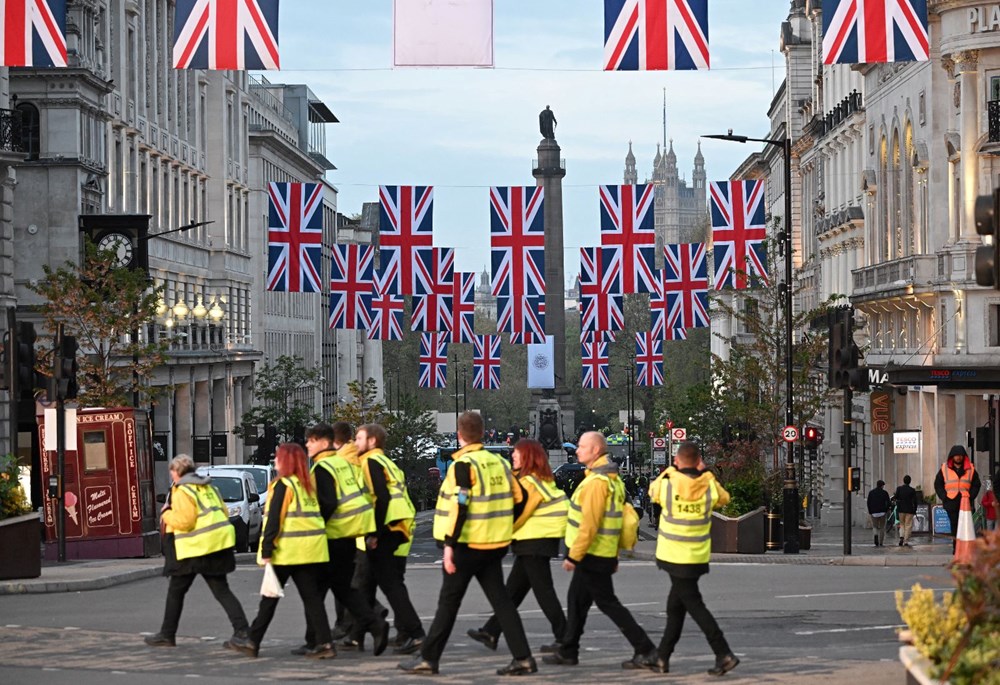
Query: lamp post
(791, 493)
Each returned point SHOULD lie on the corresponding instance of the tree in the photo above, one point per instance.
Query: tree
(279, 401)
(364, 406)
(103, 305)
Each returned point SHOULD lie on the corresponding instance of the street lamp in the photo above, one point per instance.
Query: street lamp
(791, 492)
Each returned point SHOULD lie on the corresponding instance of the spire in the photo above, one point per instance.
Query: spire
(659, 156)
(699, 159)
(631, 176)
(671, 157)
(664, 117)
(630, 157)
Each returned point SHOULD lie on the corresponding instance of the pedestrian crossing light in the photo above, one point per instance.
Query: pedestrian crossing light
(854, 479)
(811, 437)
(988, 256)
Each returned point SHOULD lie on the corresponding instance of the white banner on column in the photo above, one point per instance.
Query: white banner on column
(541, 365)
(442, 33)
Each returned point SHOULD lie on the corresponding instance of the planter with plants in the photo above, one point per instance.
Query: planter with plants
(956, 639)
(739, 528)
(20, 531)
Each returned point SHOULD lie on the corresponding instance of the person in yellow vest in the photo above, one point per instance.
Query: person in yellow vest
(538, 531)
(474, 520)
(592, 534)
(349, 514)
(956, 479)
(687, 493)
(294, 543)
(389, 546)
(198, 540)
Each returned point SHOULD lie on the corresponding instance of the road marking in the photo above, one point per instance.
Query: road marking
(487, 614)
(848, 630)
(71, 628)
(12, 625)
(848, 594)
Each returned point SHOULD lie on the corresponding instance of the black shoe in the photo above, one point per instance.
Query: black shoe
(661, 666)
(353, 644)
(380, 636)
(324, 651)
(159, 640)
(519, 667)
(420, 666)
(900, 542)
(483, 638)
(301, 650)
(243, 645)
(557, 659)
(724, 665)
(411, 645)
(550, 649)
(876, 541)
(641, 661)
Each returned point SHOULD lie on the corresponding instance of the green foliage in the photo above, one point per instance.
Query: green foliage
(363, 406)
(102, 305)
(284, 398)
(13, 501)
(744, 476)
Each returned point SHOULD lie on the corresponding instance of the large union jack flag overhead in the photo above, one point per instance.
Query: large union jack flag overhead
(595, 360)
(351, 286)
(33, 33)
(517, 241)
(738, 233)
(856, 31)
(433, 360)
(294, 237)
(406, 220)
(601, 300)
(685, 285)
(646, 35)
(486, 362)
(434, 283)
(522, 315)
(527, 338)
(463, 308)
(597, 336)
(385, 313)
(648, 360)
(627, 226)
(226, 34)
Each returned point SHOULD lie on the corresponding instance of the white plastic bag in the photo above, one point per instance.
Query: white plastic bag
(270, 586)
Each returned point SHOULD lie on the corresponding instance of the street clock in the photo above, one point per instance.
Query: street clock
(125, 235)
(121, 245)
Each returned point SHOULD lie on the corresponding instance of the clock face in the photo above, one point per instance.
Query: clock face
(120, 244)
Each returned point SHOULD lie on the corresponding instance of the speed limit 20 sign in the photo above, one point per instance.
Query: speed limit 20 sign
(790, 434)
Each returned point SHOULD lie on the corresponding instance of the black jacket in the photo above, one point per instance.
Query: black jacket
(953, 503)
(878, 501)
(906, 500)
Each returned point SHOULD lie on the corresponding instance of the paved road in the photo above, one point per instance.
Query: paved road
(788, 623)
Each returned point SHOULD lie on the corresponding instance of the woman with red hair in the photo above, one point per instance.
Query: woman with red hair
(538, 532)
(294, 543)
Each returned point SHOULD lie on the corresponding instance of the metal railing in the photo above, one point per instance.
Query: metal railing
(11, 131)
(914, 270)
(993, 109)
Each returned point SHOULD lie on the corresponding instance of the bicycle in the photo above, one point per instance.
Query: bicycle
(891, 520)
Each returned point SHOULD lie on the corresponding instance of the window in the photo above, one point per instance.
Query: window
(31, 129)
(95, 451)
(993, 334)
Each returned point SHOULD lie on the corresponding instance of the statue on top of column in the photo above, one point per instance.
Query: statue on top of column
(547, 123)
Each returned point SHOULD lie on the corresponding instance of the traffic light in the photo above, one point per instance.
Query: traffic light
(843, 355)
(811, 437)
(854, 479)
(65, 369)
(987, 217)
(24, 364)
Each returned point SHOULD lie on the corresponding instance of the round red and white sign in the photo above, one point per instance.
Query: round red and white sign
(659, 443)
(790, 434)
(678, 433)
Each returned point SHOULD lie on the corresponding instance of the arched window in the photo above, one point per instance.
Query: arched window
(909, 193)
(882, 238)
(31, 129)
(896, 197)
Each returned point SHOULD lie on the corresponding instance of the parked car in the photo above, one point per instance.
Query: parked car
(262, 476)
(239, 493)
(569, 475)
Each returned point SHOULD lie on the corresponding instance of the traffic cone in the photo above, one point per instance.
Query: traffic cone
(965, 538)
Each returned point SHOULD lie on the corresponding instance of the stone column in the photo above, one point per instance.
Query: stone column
(967, 69)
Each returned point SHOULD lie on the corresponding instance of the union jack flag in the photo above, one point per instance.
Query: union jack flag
(351, 285)
(674, 334)
(856, 31)
(527, 338)
(738, 233)
(486, 362)
(517, 241)
(646, 35)
(685, 286)
(434, 282)
(385, 313)
(463, 308)
(522, 315)
(33, 33)
(597, 336)
(648, 360)
(226, 34)
(595, 360)
(627, 225)
(406, 216)
(433, 360)
(601, 300)
(295, 237)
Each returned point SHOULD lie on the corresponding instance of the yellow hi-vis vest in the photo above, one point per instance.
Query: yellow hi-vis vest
(548, 520)
(302, 538)
(685, 535)
(355, 514)
(489, 519)
(605, 542)
(400, 506)
(212, 530)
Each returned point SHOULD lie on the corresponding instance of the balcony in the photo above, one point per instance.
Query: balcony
(11, 136)
(993, 110)
(893, 278)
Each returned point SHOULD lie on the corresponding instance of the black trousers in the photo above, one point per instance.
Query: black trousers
(387, 573)
(179, 585)
(532, 572)
(592, 584)
(308, 581)
(484, 566)
(953, 520)
(685, 598)
(336, 577)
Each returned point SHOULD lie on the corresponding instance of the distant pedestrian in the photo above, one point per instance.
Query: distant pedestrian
(878, 507)
(991, 507)
(198, 540)
(906, 506)
(956, 479)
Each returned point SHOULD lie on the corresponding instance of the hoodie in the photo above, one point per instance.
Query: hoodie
(689, 484)
(182, 514)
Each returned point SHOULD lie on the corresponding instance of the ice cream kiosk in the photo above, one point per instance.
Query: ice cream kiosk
(108, 486)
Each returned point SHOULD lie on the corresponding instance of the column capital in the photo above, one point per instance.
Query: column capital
(964, 62)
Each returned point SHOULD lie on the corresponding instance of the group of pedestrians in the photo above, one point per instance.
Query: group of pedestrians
(347, 496)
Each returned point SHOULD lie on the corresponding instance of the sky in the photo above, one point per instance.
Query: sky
(464, 130)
